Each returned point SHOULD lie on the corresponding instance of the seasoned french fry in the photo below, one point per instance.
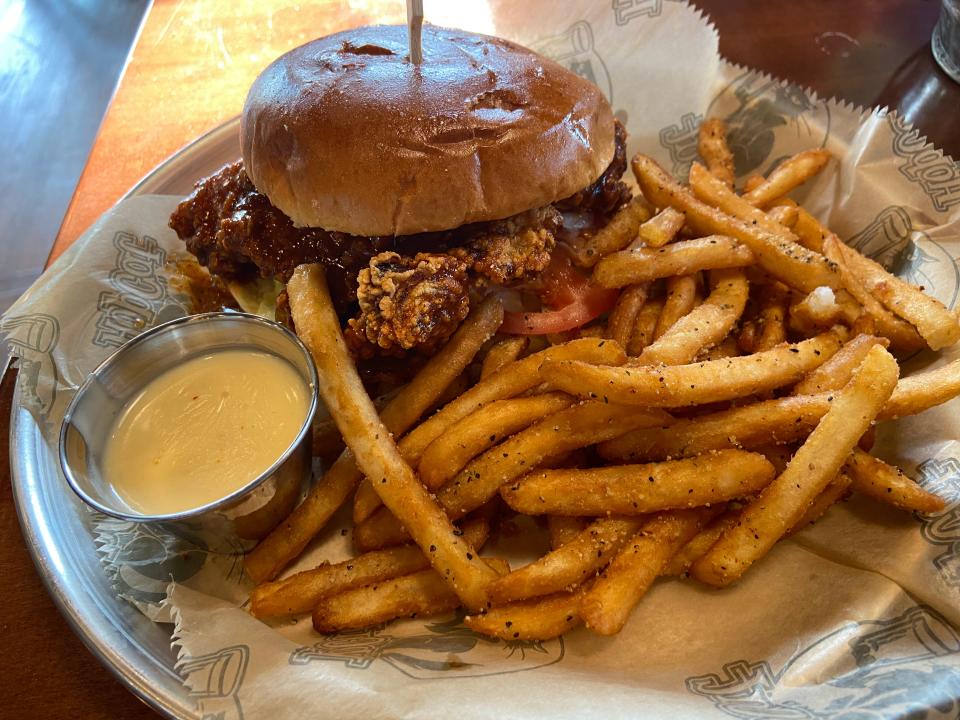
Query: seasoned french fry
(680, 299)
(607, 605)
(782, 503)
(752, 181)
(695, 384)
(683, 257)
(623, 317)
(510, 381)
(705, 325)
(923, 391)
(809, 231)
(569, 565)
(662, 228)
(779, 421)
(775, 251)
(831, 494)
(587, 249)
(538, 619)
(772, 318)
(479, 431)
(785, 215)
(420, 594)
(712, 147)
(327, 442)
(697, 546)
(373, 447)
(564, 529)
(289, 539)
(817, 310)
(836, 371)
(787, 176)
(726, 348)
(874, 478)
(645, 326)
(935, 323)
(901, 334)
(640, 489)
(301, 592)
(504, 351)
(578, 426)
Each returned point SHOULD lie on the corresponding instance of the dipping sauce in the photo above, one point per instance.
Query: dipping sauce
(204, 429)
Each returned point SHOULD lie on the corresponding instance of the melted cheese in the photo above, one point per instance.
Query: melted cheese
(204, 429)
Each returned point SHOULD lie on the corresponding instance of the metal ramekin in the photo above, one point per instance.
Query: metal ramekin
(246, 514)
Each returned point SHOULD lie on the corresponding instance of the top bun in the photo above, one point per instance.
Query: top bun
(344, 133)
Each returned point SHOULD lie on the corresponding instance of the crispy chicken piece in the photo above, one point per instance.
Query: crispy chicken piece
(514, 249)
(409, 302)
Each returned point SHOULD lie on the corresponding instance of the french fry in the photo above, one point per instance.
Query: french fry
(810, 233)
(836, 371)
(874, 478)
(782, 503)
(816, 311)
(683, 257)
(786, 215)
(373, 447)
(782, 420)
(712, 147)
(639, 489)
(751, 182)
(776, 252)
(830, 496)
(380, 530)
(697, 546)
(772, 318)
(623, 317)
(569, 565)
(901, 334)
(575, 427)
(788, 176)
(662, 228)
(301, 592)
(726, 348)
(923, 391)
(705, 325)
(680, 299)
(587, 249)
(420, 594)
(694, 384)
(538, 619)
(504, 351)
(609, 602)
(645, 326)
(935, 323)
(511, 380)
(288, 539)
(479, 431)
(564, 529)
(327, 442)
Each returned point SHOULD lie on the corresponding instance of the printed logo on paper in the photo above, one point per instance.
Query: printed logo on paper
(907, 666)
(680, 141)
(762, 114)
(138, 298)
(574, 49)
(439, 650)
(215, 680)
(32, 339)
(910, 254)
(143, 559)
(936, 174)
(942, 530)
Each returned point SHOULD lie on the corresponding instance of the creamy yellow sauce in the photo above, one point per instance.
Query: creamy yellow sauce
(203, 429)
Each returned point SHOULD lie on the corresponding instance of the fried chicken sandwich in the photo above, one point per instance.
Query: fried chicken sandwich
(421, 188)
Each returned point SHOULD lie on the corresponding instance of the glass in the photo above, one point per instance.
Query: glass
(946, 38)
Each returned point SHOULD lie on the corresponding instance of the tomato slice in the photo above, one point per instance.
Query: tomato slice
(576, 301)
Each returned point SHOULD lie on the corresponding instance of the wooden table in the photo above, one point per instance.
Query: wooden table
(189, 72)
